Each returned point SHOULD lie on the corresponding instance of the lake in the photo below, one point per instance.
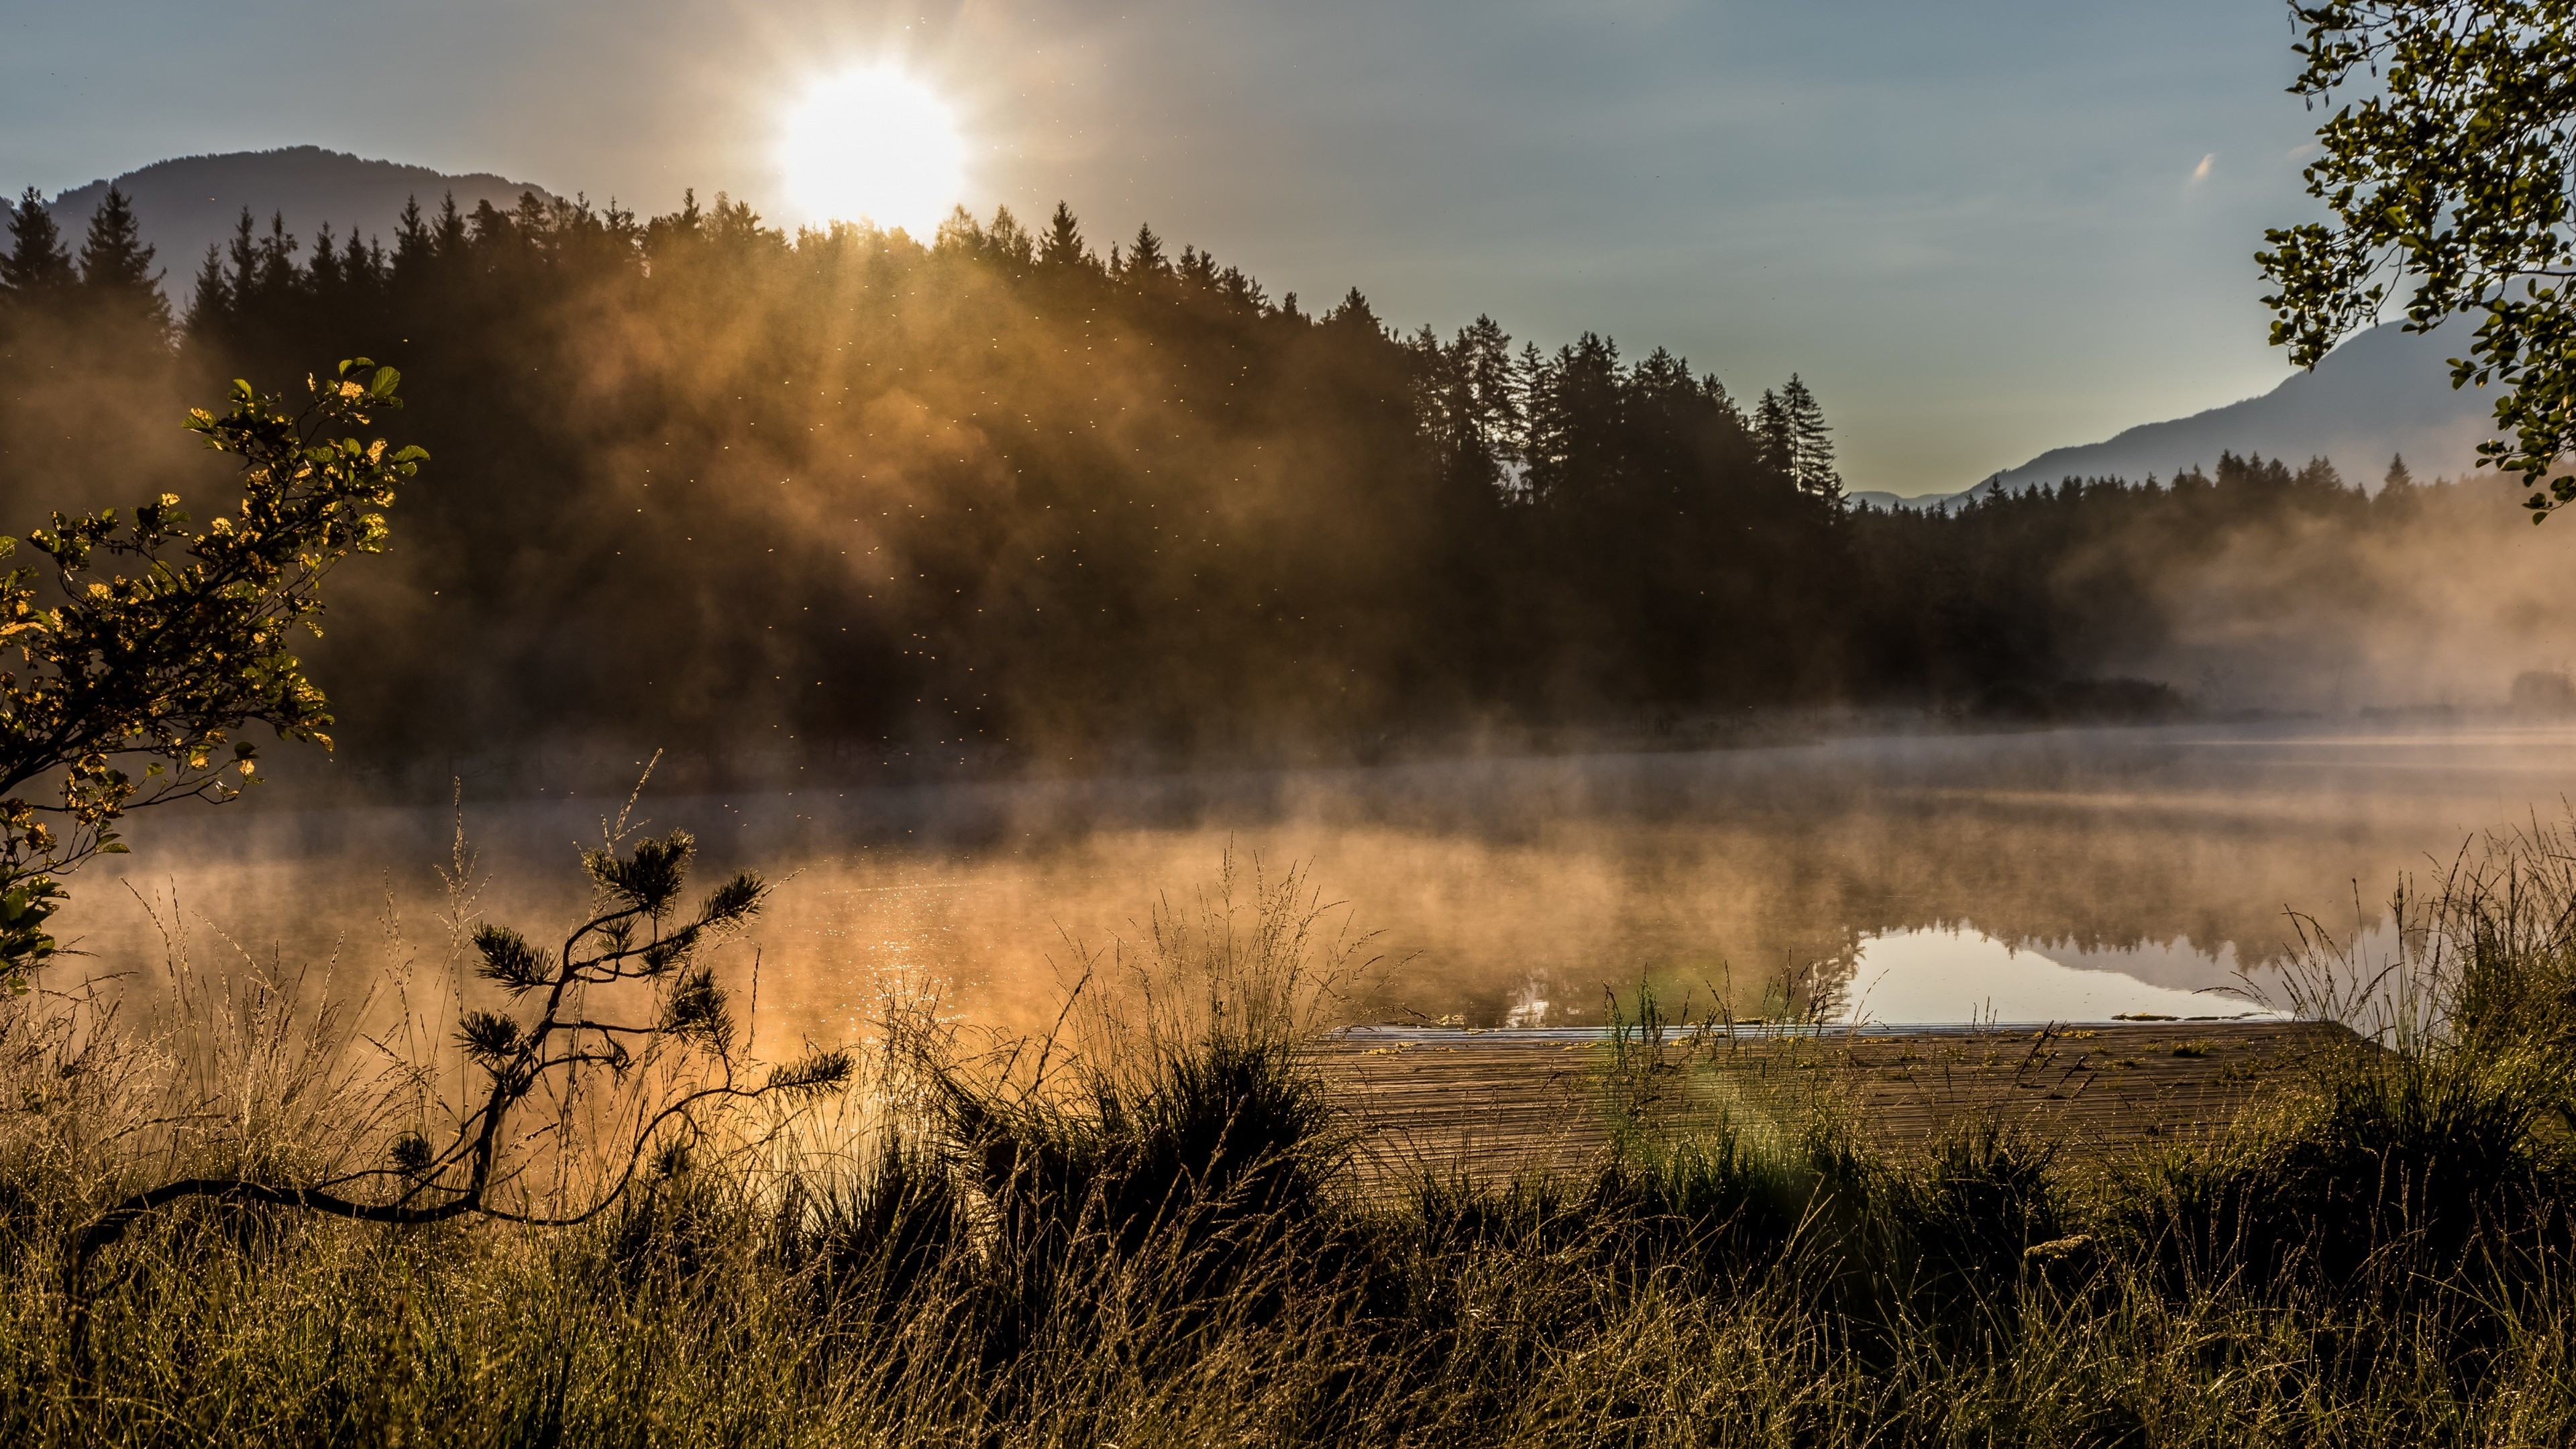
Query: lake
(2054, 875)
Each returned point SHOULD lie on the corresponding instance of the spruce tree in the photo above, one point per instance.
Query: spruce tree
(1774, 437)
(447, 234)
(116, 271)
(241, 283)
(1241, 290)
(2400, 477)
(278, 278)
(1356, 313)
(1062, 244)
(37, 266)
(1536, 382)
(1727, 407)
(210, 308)
(1145, 259)
(1495, 409)
(412, 245)
(1811, 449)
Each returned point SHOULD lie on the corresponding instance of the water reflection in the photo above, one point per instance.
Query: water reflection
(2027, 874)
(1944, 976)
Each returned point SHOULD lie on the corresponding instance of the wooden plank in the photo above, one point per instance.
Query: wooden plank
(1493, 1102)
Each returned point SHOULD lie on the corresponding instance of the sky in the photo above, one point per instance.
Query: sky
(1978, 229)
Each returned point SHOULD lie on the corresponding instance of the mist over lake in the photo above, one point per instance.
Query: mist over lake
(2043, 875)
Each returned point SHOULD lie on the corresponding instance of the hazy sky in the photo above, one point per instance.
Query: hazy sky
(1979, 229)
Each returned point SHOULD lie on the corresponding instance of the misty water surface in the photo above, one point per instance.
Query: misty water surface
(2062, 875)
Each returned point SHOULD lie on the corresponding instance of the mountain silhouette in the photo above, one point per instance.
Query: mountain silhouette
(185, 205)
(2384, 391)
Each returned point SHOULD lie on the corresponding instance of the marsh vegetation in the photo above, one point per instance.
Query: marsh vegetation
(1142, 1228)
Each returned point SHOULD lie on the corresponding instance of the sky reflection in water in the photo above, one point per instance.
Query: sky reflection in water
(2049, 875)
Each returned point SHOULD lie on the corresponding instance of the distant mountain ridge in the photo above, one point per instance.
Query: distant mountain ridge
(188, 203)
(1880, 498)
(2384, 392)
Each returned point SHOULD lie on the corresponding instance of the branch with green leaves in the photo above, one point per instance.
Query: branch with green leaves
(2447, 162)
(135, 654)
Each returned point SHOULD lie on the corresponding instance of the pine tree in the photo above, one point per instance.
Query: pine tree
(1145, 259)
(210, 308)
(37, 266)
(961, 234)
(1576, 420)
(2400, 477)
(241, 283)
(1811, 450)
(1775, 443)
(1356, 314)
(323, 273)
(1009, 241)
(1062, 245)
(277, 275)
(116, 270)
(1725, 403)
(447, 235)
(1242, 290)
(412, 247)
(1469, 402)
(1494, 404)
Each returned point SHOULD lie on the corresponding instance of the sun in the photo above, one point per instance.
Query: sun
(876, 145)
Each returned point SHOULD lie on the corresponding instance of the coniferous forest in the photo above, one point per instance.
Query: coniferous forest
(1015, 497)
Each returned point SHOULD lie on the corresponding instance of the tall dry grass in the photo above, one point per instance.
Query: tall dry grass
(1142, 1231)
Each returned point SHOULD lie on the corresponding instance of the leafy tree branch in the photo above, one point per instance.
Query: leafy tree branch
(2446, 162)
(134, 654)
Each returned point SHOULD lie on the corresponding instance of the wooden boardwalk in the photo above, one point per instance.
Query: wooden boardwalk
(1491, 1102)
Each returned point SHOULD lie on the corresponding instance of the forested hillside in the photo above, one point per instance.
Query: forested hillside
(187, 202)
(1002, 498)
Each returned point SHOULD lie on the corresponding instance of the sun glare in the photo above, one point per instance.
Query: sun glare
(873, 145)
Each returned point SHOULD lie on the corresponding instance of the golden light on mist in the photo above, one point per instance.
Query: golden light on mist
(873, 144)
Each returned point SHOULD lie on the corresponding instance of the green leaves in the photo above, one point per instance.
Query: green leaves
(2449, 184)
(167, 641)
(25, 906)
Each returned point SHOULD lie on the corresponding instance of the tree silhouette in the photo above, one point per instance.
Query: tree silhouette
(1777, 433)
(1062, 245)
(961, 505)
(116, 273)
(1809, 444)
(1145, 259)
(37, 272)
